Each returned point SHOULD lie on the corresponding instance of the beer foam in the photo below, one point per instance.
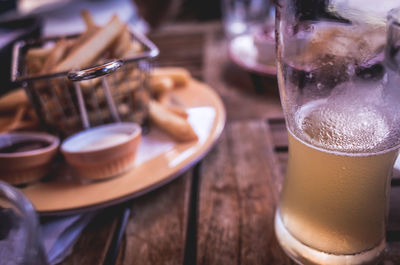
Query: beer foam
(351, 119)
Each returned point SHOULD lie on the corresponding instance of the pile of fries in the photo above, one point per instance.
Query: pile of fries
(55, 97)
(94, 46)
(164, 112)
(97, 45)
(16, 113)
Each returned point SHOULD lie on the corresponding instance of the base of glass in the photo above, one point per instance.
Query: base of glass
(303, 254)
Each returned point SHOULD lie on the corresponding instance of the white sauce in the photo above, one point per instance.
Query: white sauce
(105, 140)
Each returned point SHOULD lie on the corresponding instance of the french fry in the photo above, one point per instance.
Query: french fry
(35, 58)
(174, 125)
(171, 99)
(133, 49)
(123, 109)
(38, 53)
(93, 47)
(17, 122)
(179, 75)
(165, 100)
(5, 121)
(161, 84)
(27, 124)
(84, 37)
(34, 66)
(121, 44)
(91, 29)
(31, 115)
(56, 54)
(178, 111)
(10, 101)
(88, 19)
(19, 114)
(129, 85)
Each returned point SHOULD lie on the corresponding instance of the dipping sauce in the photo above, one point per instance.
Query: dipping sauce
(105, 140)
(23, 146)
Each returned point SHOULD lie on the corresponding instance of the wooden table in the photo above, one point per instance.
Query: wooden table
(221, 211)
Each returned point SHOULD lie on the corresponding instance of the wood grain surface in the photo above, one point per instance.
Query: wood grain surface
(92, 246)
(156, 233)
(238, 194)
(221, 213)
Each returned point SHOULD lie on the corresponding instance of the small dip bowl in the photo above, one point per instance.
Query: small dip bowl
(104, 151)
(26, 157)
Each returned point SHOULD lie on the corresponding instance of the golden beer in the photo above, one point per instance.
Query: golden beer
(334, 197)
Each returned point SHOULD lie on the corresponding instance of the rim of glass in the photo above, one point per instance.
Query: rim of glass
(394, 15)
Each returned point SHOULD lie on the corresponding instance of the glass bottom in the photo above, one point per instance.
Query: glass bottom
(303, 254)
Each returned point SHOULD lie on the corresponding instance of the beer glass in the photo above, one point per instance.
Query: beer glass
(338, 75)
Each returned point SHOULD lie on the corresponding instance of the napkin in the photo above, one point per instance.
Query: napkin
(59, 234)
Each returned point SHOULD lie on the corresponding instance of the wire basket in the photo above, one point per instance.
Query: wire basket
(68, 102)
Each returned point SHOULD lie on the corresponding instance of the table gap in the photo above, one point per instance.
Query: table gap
(190, 251)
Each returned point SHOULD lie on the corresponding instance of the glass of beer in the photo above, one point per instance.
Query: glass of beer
(339, 82)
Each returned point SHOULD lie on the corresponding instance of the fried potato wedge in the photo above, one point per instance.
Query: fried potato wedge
(176, 126)
(179, 75)
(161, 84)
(92, 48)
(12, 100)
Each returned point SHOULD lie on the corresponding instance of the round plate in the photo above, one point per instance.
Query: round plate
(73, 196)
(243, 52)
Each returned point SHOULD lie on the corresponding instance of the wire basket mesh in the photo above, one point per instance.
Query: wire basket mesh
(119, 95)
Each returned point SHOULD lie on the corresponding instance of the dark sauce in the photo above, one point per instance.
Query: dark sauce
(24, 146)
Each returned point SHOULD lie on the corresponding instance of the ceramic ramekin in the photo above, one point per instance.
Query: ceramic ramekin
(26, 166)
(104, 151)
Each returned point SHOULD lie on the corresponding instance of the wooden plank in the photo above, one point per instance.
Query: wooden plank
(92, 246)
(156, 232)
(183, 49)
(218, 222)
(278, 133)
(392, 255)
(282, 160)
(238, 194)
(280, 141)
(394, 211)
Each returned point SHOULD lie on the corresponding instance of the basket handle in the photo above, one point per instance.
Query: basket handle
(95, 71)
(90, 73)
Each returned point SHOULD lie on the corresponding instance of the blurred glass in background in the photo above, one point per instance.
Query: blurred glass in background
(240, 15)
(20, 241)
(249, 26)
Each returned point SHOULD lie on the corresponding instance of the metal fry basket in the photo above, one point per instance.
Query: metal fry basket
(68, 102)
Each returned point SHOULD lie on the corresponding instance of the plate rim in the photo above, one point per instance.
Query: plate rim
(263, 69)
(218, 127)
